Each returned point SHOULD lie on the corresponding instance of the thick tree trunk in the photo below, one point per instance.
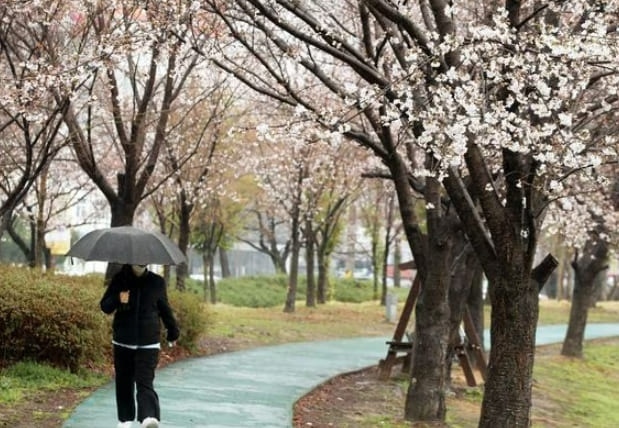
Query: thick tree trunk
(426, 393)
(507, 395)
(310, 295)
(225, 263)
(122, 215)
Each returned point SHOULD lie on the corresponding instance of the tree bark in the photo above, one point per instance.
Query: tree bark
(211, 277)
(184, 230)
(425, 399)
(310, 295)
(323, 277)
(293, 277)
(397, 259)
(123, 213)
(205, 276)
(507, 395)
(586, 269)
(225, 263)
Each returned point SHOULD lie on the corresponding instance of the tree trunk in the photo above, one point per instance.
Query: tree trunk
(586, 270)
(122, 215)
(34, 257)
(599, 283)
(225, 263)
(426, 393)
(397, 259)
(385, 261)
(205, 276)
(184, 231)
(40, 247)
(351, 238)
(293, 277)
(507, 395)
(211, 277)
(574, 337)
(375, 264)
(323, 277)
(161, 219)
(310, 295)
(19, 241)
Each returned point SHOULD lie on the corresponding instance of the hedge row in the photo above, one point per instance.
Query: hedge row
(270, 290)
(56, 318)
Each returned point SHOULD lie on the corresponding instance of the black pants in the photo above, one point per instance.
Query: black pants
(136, 367)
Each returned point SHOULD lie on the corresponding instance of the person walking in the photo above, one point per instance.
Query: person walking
(138, 299)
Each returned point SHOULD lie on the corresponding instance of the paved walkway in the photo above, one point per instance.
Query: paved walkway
(258, 387)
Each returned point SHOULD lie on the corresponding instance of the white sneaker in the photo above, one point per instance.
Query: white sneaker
(124, 424)
(150, 423)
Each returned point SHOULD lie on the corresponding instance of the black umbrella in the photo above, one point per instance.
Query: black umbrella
(127, 245)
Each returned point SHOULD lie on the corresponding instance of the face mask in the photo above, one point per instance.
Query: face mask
(138, 270)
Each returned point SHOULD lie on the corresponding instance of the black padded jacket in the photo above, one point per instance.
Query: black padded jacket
(137, 322)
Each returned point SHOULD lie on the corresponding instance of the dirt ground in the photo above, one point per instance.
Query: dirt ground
(360, 400)
(346, 399)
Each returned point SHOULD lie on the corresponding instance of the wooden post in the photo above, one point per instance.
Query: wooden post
(387, 364)
(475, 343)
(465, 363)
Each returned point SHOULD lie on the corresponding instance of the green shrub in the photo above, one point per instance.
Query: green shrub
(56, 318)
(192, 318)
(51, 318)
(352, 290)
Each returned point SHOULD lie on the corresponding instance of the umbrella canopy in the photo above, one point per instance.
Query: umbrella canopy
(127, 245)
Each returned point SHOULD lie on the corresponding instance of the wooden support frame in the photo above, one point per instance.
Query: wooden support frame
(397, 345)
(475, 343)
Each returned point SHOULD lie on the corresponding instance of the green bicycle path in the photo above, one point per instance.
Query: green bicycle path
(258, 387)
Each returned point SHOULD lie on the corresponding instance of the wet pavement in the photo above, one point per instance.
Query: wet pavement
(258, 387)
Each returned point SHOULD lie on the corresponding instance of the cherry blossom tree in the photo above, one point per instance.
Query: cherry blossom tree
(490, 100)
(336, 179)
(587, 222)
(196, 155)
(122, 65)
(29, 127)
(59, 188)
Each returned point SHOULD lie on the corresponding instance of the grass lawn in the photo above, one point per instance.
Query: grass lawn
(567, 392)
(253, 327)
